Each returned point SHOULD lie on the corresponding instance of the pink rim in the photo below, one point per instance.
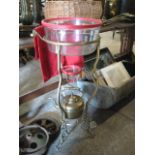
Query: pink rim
(46, 23)
(65, 68)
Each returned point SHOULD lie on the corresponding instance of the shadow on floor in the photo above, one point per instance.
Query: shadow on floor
(101, 115)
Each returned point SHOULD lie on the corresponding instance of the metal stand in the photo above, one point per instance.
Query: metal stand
(85, 122)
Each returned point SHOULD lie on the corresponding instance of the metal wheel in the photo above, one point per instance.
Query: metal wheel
(51, 126)
(33, 139)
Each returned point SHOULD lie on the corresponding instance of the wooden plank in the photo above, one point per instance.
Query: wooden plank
(35, 93)
(38, 92)
(116, 26)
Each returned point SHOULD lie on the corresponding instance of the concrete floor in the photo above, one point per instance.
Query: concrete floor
(114, 134)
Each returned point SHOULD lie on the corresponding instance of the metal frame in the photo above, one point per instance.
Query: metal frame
(85, 120)
(40, 91)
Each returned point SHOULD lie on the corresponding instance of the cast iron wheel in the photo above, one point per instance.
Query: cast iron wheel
(33, 139)
(51, 126)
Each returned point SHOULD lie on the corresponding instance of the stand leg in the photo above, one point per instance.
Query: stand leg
(60, 80)
(86, 124)
(65, 132)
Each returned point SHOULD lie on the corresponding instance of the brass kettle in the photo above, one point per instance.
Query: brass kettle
(73, 106)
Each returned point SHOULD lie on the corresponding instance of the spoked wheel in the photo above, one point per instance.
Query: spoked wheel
(51, 126)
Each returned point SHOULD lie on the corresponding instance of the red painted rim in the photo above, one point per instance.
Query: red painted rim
(65, 68)
(46, 23)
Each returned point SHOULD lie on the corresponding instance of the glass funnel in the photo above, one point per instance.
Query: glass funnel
(71, 73)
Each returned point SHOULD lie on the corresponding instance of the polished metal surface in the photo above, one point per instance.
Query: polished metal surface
(73, 106)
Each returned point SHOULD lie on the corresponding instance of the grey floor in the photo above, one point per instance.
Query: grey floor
(114, 134)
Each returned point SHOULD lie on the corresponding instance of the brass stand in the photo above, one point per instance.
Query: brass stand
(85, 122)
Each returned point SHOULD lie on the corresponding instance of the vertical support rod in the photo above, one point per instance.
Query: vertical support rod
(60, 78)
(86, 121)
